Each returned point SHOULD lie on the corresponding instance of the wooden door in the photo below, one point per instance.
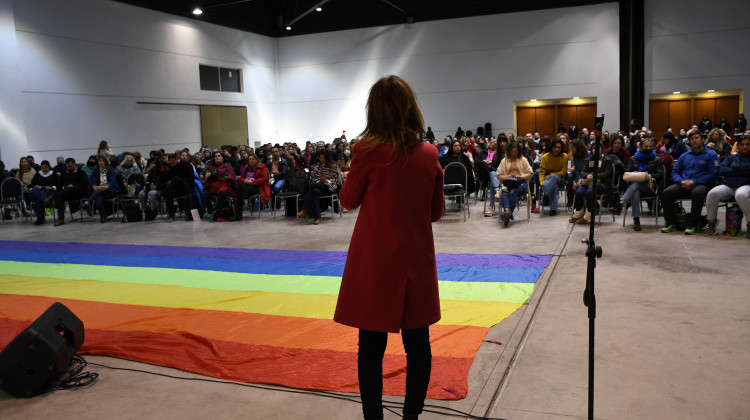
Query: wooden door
(525, 117)
(705, 107)
(545, 122)
(658, 117)
(585, 116)
(223, 125)
(565, 115)
(727, 107)
(679, 115)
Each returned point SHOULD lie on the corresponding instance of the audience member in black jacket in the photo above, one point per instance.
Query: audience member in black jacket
(150, 194)
(456, 154)
(74, 185)
(178, 181)
(42, 186)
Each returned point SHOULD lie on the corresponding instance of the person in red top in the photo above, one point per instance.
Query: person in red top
(390, 278)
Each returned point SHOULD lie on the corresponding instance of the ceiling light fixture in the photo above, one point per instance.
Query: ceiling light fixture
(677, 92)
(711, 90)
(288, 28)
(533, 100)
(197, 11)
(319, 9)
(576, 97)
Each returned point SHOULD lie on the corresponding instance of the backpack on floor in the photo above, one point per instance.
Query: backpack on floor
(131, 212)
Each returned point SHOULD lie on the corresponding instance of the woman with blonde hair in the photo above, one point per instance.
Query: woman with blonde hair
(390, 278)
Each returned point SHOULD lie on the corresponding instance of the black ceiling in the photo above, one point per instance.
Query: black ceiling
(270, 17)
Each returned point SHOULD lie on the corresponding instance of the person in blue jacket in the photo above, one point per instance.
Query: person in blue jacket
(104, 185)
(694, 174)
(735, 170)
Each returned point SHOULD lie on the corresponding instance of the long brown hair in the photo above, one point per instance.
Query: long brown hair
(393, 116)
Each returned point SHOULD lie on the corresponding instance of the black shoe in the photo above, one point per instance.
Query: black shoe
(87, 207)
(617, 208)
(101, 219)
(553, 212)
(637, 224)
(170, 218)
(506, 223)
(39, 222)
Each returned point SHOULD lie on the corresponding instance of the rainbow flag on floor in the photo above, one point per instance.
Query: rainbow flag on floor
(249, 315)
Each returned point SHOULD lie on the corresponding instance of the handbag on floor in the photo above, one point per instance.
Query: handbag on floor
(734, 220)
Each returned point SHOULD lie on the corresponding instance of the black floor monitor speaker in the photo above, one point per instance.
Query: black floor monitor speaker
(36, 359)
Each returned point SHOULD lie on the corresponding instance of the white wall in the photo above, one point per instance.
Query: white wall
(84, 65)
(465, 71)
(696, 46)
(12, 130)
(81, 66)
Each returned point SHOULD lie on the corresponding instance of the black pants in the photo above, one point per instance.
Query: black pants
(312, 199)
(673, 192)
(247, 190)
(96, 200)
(222, 201)
(63, 196)
(176, 187)
(370, 367)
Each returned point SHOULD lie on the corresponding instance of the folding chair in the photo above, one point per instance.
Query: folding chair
(455, 179)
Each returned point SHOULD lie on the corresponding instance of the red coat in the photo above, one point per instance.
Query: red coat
(261, 180)
(390, 278)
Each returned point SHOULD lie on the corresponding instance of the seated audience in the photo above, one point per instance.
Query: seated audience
(25, 174)
(693, 175)
(105, 187)
(717, 142)
(128, 168)
(512, 166)
(277, 170)
(456, 154)
(735, 173)
(619, 151)
(178, 181)
(44, 185)
(73, 185)
(645, 160)
(586, 191)
(60, 167)
(253, 179)
(486, 164)
(325, 178)
(220, 184)
(552, 170)
(3, 172)
(91, 165)
(150, 191)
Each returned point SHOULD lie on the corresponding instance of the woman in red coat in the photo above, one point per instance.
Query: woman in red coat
(253, 179)
(390, 279)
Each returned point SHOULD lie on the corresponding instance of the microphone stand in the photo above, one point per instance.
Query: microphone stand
(592, 252)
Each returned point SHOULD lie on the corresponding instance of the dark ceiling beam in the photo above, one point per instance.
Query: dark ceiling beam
(211, 6)
(395, 7)
(310, 10)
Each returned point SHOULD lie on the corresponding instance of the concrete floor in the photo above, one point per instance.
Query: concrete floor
(672, 328)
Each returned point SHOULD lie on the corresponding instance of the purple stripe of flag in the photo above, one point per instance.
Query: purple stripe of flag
(471, 260)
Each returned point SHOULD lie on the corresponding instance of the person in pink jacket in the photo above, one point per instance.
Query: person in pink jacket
(390, 278)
